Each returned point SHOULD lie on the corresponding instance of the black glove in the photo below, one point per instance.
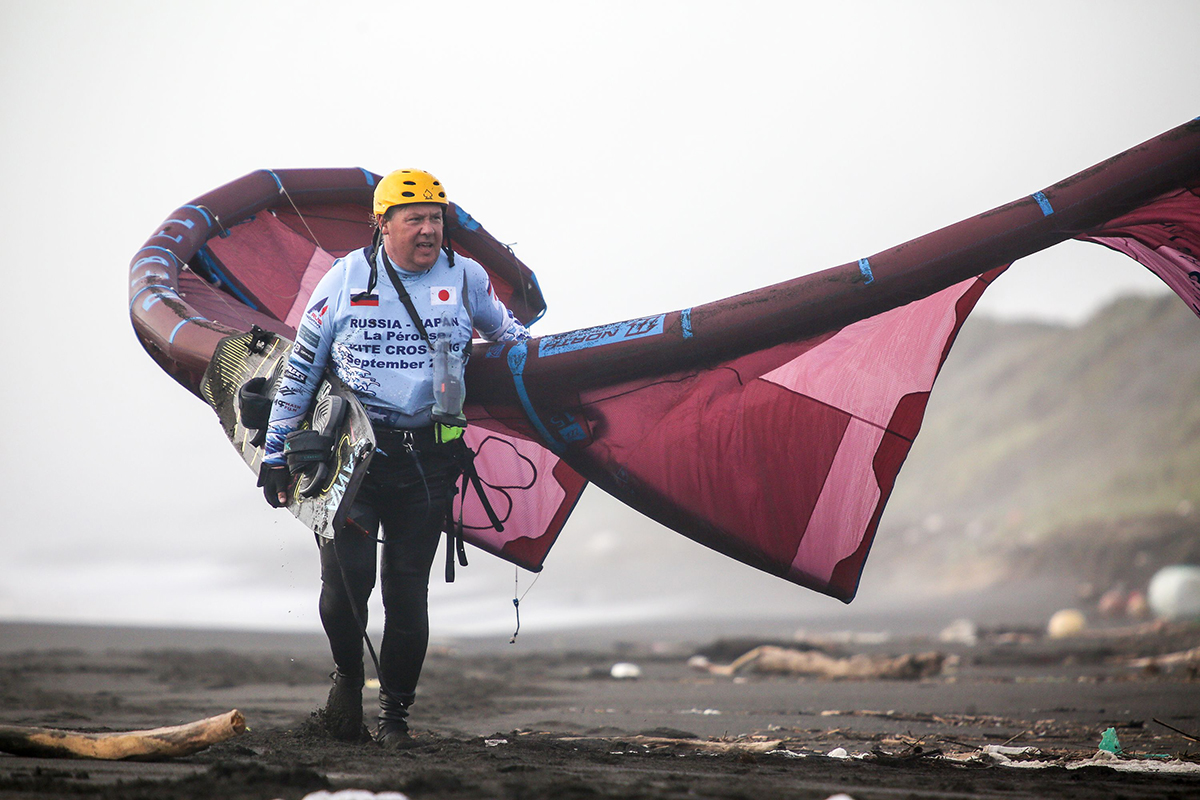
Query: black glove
(275, 479)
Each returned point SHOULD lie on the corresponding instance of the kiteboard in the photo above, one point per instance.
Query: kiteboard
(320, 498)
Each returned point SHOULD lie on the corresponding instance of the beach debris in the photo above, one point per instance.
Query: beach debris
(1004, 754)
(1137, 607)
(1103, 758)
(355, 794)
(1169, 661)
(1174, 592)
(787, 753)
(961, 631)
(1067, 622)
(707, 712)
(839, 796)
(771, 659)
(495, 742)
(624, 670)
(838, 752)
(1110, 743)
(1112, 603)
(908, 755)
(753, 746)
(149, 745)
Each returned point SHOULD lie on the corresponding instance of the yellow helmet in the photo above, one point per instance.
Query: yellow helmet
(406, 186)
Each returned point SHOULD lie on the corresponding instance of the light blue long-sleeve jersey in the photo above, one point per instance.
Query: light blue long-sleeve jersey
(373, 346)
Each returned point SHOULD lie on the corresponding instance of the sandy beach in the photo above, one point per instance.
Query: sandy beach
(544, 718)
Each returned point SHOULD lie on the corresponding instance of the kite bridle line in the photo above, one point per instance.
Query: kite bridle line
(284, 192)
(517, 600)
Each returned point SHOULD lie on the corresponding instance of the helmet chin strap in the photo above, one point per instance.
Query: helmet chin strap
(372, 254)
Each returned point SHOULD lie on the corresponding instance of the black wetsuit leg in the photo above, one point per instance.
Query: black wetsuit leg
(356, 548)
(411, 504)
(413, 515)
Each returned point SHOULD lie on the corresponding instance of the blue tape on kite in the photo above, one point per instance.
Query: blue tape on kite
(864, 266)
(171, 338)
(685, 318)
(207, 218)
(465, 220)
(165, 250)
(215, 273)
(541, 313)
(278, 182)
(150, 260)
(370, 178)
(187, 223)
(516, 365)
(133, 299)
(1043, 204)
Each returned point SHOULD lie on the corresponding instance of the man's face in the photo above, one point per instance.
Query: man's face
(412, 236)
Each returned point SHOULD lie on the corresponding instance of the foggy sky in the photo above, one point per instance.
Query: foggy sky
(641, 157)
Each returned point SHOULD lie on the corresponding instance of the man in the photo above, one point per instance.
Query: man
(359, 326)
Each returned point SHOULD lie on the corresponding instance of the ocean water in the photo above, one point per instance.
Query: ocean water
(610, 567)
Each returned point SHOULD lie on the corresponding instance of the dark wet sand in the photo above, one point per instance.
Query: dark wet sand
(543, 719)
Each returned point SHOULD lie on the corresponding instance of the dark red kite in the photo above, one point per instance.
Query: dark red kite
(768, 426)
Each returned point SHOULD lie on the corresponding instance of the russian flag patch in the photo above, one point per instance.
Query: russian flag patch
(360, 299)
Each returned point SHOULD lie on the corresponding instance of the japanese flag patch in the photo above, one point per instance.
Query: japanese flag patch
(443, 296)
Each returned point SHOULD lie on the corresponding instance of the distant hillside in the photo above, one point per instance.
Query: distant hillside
(1037, 433)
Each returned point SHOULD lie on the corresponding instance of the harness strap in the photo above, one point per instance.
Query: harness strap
(472, 474)
(454, 529)
(406, 300)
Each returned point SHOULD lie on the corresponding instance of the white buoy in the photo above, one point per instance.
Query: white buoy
(1174, 592)
(623, 670)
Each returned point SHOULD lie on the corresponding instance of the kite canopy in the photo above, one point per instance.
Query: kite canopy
(768, 426)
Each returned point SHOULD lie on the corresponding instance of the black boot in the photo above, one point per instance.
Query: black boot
(343, 714)
(393, 720)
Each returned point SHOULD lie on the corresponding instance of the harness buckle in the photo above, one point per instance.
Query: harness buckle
(407, 440)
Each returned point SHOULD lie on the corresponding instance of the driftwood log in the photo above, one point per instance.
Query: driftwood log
(702, 745)
(152, 745)
(786, 661)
